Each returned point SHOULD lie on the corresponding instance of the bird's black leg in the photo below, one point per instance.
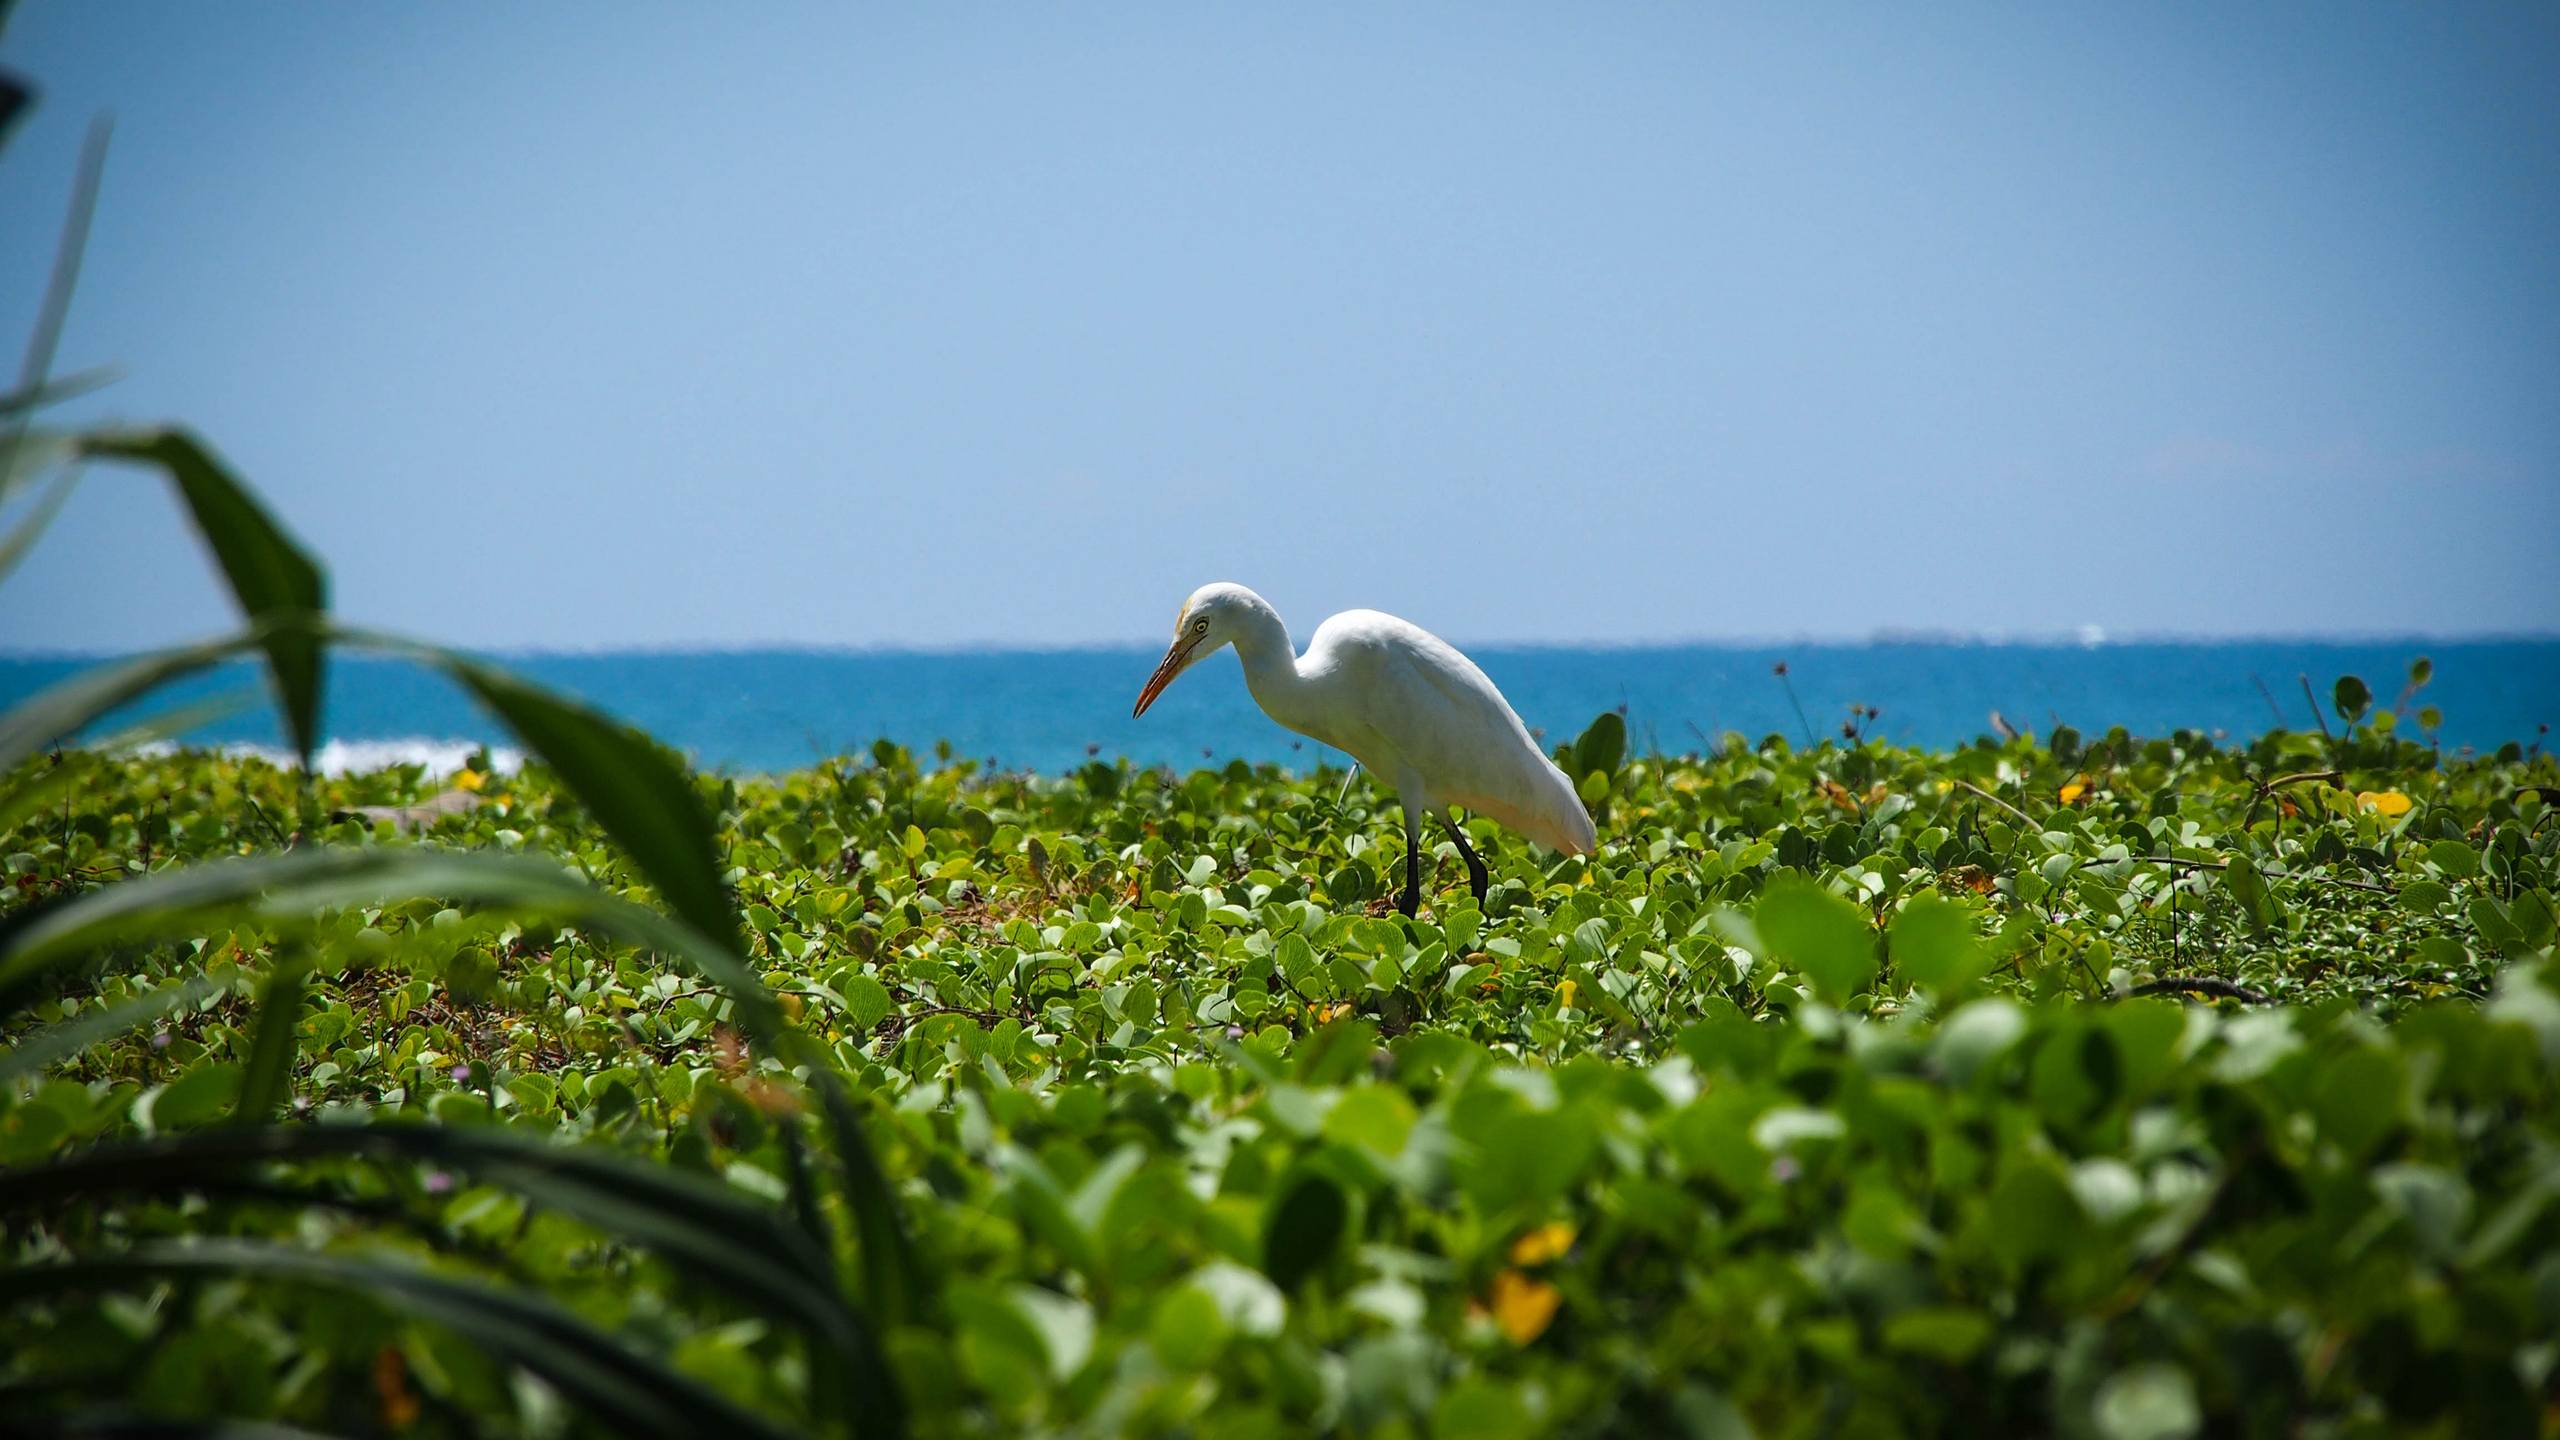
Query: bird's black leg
(1412, 900)
(1477, 879)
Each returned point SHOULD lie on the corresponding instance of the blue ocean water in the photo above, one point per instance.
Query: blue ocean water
(762, 710)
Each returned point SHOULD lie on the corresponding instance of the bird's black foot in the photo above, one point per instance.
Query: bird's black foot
(1478, 880)
(1409, 903)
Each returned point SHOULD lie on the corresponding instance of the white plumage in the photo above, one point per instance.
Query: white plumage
(1400, 700)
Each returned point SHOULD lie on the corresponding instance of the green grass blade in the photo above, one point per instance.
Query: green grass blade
(68, 250)
(637, 793)
(42, 1049)
(22, 537)
(63, 710)
(267, 1078)
(738, 1246)
(125, 1425)
(56, 390)
(293, 885)
(26, 455)
(15, 98)
(270, 574)
(628, 1392)
(896, 1286)
(641, 797)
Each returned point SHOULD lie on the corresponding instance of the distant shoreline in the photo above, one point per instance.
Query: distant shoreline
(763, 711)
(1879, 640)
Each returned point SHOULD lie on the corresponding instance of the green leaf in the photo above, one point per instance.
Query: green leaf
(1935, 944)
(1064, 1324)
(1527, 1158)
(2154, 1401)
(2435, 1202)
(270, 574)
(867, 1002)
(200, 1095)
(2362, 1095)
(1817, 932)
(1374, 1117)
(2032, 1213)
(1944, 1333)
(2249, 889)
(2352, 698)
(1976, 1035)
(1187, 1330)
(2424, 897)
(2454, 858)
(1248, 1303)
(2490, 918)
(2533, 919)
(1304, 1229)
(1481, 1408)
(1601, 746)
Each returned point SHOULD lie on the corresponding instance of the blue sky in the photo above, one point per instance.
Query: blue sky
(591, 325)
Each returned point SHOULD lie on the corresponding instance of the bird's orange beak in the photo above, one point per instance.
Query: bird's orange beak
(1170, 666)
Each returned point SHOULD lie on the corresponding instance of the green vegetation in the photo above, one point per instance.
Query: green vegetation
(2123, 1088)
(1822, 1101)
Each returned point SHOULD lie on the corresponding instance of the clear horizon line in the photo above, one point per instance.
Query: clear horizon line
(1914, 638)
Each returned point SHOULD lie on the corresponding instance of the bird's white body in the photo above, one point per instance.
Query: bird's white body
(1413, 711)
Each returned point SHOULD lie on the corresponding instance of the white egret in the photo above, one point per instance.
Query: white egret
(1404, 703)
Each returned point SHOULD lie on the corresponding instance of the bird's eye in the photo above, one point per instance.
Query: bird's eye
(1200, 627)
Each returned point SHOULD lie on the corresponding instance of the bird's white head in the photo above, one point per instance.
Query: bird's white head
(1215, 615)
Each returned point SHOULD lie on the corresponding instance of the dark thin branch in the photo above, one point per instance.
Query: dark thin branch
(2030, 820)
(1780, 670)
(2178, 860)
(2315, 707)
(2266, 789)
(2199, 985)
(2272, 707)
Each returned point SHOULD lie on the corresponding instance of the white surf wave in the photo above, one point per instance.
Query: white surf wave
(347, 757)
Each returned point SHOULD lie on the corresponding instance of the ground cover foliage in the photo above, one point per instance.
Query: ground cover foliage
(1820, 1102)
(2116, 1086)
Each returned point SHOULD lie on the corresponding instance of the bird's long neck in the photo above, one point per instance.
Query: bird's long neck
(1271, 665)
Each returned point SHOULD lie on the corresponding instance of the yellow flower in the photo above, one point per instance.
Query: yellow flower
(1548, 1242)
(467, 778)
(1523, 1307)
(2072, 792)
(1564, 995)
(2385, 802)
